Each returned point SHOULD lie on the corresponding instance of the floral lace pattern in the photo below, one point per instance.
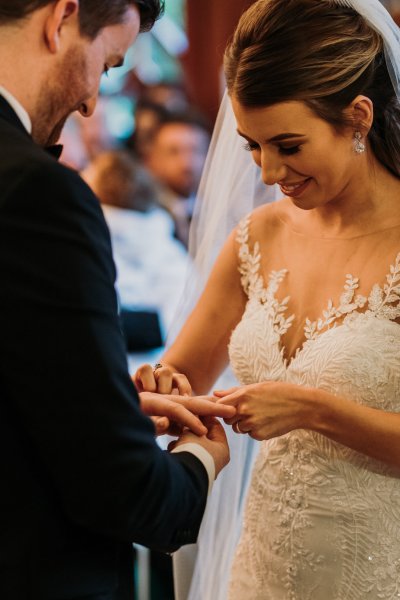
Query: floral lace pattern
(321, 521)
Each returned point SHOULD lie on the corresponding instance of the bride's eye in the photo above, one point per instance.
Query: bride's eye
(289, 149)
(250, 146)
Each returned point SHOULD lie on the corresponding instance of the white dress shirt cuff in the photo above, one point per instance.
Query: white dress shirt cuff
(204, 457)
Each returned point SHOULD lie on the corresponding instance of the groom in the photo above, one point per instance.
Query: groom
(82, 476)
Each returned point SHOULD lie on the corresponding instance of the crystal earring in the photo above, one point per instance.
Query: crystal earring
(358, 144)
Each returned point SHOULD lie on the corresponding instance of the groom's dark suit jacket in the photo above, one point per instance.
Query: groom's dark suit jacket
(81, 475)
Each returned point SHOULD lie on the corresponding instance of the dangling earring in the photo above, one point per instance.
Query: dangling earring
(358, 144)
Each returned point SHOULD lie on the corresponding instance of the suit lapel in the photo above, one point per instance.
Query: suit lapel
(7, 113)
(55, 150)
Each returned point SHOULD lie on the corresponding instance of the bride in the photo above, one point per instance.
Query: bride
(303, 301)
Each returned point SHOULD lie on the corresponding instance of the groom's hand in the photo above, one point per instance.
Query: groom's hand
(172, 413)
(215, 442)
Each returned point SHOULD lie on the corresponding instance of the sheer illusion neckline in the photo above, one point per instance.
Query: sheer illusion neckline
(382, 302)
(336, 238)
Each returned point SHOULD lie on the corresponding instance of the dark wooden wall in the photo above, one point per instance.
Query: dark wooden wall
(210, 23)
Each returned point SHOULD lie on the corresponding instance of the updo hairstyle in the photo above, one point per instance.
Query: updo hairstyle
(322, 54)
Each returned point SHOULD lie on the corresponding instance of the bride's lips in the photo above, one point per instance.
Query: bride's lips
(296, 189)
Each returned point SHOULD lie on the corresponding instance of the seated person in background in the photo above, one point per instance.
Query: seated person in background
(148, 114)
(176, 158)
(150, 262)
(172, 94)
(85, 137)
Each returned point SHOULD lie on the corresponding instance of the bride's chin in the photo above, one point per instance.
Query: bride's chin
(303, 204)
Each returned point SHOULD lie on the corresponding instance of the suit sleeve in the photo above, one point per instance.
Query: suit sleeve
(66, 375)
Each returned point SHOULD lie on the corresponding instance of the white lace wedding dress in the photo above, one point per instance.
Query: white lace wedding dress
(322, 522)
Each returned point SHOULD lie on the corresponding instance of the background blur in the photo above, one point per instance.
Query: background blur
(179, 60)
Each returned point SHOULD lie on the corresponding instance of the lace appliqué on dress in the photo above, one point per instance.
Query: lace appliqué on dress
(382, 302)
(253, 284)
(321, 521)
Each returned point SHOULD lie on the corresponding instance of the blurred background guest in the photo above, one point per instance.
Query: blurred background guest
(148, 115)
(176, 158)
(150, 262)
(83, 138)
(170, 94)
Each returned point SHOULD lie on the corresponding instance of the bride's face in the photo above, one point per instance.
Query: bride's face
(311, 162)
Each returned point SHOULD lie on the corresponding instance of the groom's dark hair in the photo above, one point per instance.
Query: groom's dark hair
(94, 15)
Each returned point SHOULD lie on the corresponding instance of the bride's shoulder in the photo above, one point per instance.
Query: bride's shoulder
(268, 219)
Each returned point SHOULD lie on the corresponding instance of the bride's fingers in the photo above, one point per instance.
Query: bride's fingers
(144, 379)
(244, 426)
(182, 383)
(163, 380)
(222, 393)
(232, 399)
(163, 377)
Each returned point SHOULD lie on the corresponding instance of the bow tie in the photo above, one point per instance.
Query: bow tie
(55, 150)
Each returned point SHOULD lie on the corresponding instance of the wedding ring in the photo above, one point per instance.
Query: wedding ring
(157, 366)
(237, 428)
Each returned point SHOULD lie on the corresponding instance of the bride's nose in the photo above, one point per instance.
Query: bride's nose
(273, 168)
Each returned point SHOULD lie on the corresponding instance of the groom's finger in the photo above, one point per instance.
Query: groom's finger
(178, 413)
(216, 432)
(162, 406)
(161, 424)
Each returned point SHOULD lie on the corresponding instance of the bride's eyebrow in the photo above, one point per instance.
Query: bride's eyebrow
(285, 136)
(277, 138)
(243, 135)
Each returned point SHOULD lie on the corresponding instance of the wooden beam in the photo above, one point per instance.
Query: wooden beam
(210, 23)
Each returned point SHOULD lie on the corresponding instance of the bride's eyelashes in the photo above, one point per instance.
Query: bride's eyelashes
(286, 150)
(250, 146)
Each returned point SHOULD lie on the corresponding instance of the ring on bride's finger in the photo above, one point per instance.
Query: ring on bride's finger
(237, 429)
(157, 366)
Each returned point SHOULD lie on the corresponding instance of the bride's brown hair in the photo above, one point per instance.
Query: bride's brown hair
(320, 53)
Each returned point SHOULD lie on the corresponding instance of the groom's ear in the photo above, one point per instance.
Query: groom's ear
(61, 13)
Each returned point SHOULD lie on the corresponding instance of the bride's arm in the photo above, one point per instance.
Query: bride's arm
(200, 349)
(372, 431)
(270, 409)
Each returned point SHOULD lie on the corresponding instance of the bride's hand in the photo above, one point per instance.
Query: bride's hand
(163, 380)
(268, 409)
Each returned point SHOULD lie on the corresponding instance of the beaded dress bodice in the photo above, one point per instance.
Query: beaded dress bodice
(322, 521)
